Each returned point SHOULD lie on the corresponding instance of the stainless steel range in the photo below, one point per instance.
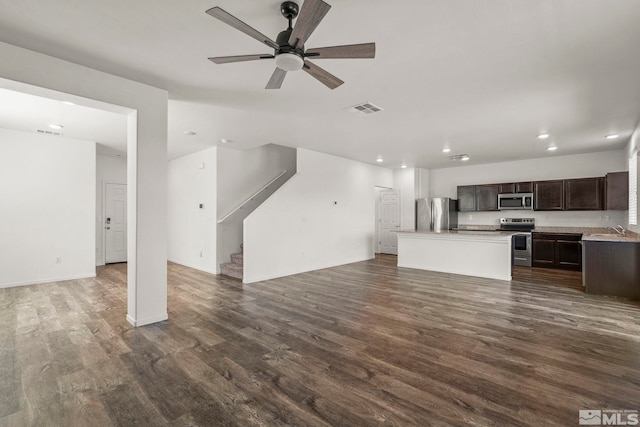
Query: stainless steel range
(520, 242)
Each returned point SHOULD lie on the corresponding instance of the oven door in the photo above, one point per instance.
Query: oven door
(521, 244)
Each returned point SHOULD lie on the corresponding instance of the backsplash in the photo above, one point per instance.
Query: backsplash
(548, 218)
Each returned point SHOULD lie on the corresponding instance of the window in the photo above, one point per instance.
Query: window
(633, 188)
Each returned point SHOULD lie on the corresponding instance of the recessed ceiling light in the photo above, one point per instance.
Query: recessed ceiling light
(189, 133)
(379, 160)
(543, 136)
(225, 140)
(446, 150)
(54, 126)
(68, 103)
(612, 136)
(552, 148)
(403, 166)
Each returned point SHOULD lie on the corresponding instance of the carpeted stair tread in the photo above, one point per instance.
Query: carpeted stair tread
(232, 270)
(237, 258)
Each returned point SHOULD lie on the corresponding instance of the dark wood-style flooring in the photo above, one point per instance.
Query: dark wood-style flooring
(357, 345)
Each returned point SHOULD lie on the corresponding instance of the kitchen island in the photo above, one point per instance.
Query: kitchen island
(472, 253)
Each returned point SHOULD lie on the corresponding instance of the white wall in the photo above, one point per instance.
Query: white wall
(241, 173)
(192, 230)
(47, 187)
(422, 177)
(405, 181)
(445, 181)
(146, 110)
(109, 170)
(324, 216)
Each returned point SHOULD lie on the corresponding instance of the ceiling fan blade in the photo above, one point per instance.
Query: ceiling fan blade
(275, 82)
(231, 20)
(310, 16)
(364, 50)
(326, 78)
(239, 58)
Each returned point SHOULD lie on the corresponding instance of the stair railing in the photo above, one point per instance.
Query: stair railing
(241, 205)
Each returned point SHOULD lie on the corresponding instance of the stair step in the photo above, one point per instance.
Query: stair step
(237, 258)
(232, 270)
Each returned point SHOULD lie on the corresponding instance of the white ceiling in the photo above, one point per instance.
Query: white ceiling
(484, 77)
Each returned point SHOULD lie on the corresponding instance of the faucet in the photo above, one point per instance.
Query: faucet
(618, 229)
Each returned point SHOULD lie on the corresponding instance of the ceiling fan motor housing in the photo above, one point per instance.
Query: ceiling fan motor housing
(288, 58)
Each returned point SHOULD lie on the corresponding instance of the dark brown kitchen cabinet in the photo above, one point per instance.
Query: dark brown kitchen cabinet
(557, 250)
(617, 191)
(509, 188)
(548, 195)
(612, 268)
(467, 198)
(487, 197)
(524, 187)
(515, 187)
(584, 194)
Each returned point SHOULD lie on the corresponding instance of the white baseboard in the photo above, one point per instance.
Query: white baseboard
(148, 320)
(195, 267)
(50, 280)
(291, 272)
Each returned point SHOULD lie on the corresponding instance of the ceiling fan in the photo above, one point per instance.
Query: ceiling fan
(289, 50)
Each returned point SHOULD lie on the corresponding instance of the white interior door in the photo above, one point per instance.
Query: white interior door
(389, 222)
(115, 223)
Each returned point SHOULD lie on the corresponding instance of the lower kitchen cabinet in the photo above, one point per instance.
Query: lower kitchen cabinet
(612, 268)
(557, 250)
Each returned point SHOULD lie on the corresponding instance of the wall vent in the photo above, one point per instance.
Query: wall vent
(49, 132)
(363, 109)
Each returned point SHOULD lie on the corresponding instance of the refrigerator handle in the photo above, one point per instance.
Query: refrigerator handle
(432, 219)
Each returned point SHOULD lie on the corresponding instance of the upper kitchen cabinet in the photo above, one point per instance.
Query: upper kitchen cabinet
(548, 195)
(515, 187)
(487, 197)
(467, 198)
(584, 194)
(524, 187)
(509, 188)
(617, 191)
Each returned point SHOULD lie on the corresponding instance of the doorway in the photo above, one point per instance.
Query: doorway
(388, 221)
(115, 223)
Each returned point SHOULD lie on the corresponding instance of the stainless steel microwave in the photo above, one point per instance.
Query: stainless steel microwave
(518, 201)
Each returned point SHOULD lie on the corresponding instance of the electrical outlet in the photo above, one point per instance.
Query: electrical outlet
(200, 254)
(59, 260)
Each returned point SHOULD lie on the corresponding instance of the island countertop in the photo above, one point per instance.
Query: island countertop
(471, 253)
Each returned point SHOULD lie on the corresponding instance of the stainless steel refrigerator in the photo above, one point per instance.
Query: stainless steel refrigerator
(437, 214)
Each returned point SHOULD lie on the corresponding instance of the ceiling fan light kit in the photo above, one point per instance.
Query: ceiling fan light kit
(289, 50)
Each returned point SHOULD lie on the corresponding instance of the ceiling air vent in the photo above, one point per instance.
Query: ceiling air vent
(50, 132)
(363, 109)
(459, 157)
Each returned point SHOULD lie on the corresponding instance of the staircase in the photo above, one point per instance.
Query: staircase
(234, 268)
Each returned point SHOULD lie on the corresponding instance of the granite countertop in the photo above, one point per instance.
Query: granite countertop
(612, 236)
(600, 234)
(463, 232)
